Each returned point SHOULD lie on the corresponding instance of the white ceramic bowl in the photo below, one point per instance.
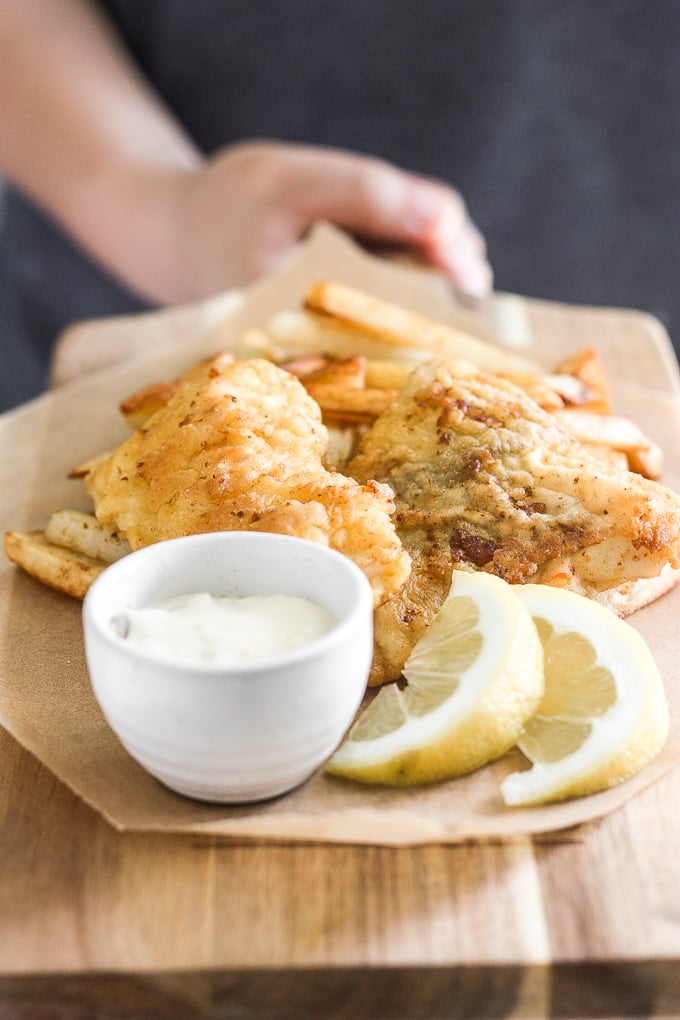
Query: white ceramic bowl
(243, 733)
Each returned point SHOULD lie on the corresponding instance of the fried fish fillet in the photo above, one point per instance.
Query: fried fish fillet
(484, 479)
(239, 446)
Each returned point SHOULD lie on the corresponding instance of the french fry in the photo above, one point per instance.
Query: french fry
(353, 353)
(402, 328)
(612, 429)
(299, 332)
(643, 454)
(358, 370)
(255, 343)
(549, 390)
(82, 533)
(586, 366)
(83, 470)
(53, 565)
(538, 388)
(646, 460)
(342, 444)
(571, 390)
(347, 406)
(305, 365)
(139, 406)
(387, 374)
(350, 372)
(608, 455)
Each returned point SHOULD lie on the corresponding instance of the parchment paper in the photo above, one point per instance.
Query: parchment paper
(45, 698)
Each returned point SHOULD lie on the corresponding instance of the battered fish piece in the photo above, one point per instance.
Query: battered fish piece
(486, 480)
(239, 446)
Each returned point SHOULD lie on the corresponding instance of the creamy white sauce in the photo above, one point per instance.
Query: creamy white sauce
(223, 630)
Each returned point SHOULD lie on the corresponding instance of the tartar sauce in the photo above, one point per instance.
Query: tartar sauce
(221, 629)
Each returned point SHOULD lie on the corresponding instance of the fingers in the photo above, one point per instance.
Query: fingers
(460, 250)
(240, 214)
(383, 203)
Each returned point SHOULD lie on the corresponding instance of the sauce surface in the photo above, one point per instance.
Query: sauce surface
(223, 630)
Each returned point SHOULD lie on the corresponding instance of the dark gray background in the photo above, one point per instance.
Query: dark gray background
(559, 120)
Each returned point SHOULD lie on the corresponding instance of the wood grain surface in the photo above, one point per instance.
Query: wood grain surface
(95, 923)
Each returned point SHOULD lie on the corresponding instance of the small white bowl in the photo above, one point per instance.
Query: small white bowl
(237, 733)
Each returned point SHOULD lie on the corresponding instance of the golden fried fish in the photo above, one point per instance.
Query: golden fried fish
(239, 446)
(484, 479)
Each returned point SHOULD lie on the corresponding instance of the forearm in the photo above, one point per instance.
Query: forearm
(83, 135)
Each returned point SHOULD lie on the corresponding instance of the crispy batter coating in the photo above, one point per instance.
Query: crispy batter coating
(486, 480)
(239, 446)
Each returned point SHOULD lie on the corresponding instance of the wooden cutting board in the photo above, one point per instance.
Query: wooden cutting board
(581, 923)
(95, 923)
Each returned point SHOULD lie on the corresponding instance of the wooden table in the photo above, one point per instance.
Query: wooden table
(95, 923)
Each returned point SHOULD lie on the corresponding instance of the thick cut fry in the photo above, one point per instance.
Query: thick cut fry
(403, 328)
(538, 388)
(347, 372)
(82, 533)
(610, 457)
(387, 374)
(255, 343)
(612, 429)
(646, 460)
(586, 365)
(54, 566)
(571, 390)
(343, 441)
(305, 365)
(87, 466)
(645, 457)
(344, 405)
(300, 332)
(139, 406)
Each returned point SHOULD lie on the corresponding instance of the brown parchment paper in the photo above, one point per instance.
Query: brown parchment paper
(45, 698)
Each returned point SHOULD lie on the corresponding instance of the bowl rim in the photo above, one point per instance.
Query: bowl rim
(336, 635)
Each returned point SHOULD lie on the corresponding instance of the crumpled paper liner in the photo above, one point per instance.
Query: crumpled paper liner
(45, 698)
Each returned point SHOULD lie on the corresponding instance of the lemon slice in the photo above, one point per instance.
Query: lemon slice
(604, 713)
(473, 679)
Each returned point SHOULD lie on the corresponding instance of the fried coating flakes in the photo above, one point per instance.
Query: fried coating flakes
(239, 446)
(484, 479)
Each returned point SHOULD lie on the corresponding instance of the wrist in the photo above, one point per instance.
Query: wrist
(129, 220)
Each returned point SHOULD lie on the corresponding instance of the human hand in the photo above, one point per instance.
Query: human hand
(127, 183)
(240, 212)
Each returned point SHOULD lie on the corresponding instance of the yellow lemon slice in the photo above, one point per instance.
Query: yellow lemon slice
(473, 679)
(604, 713)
